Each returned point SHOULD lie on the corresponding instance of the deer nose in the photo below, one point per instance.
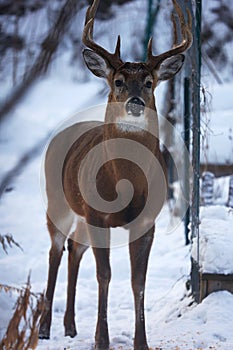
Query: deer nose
(135, 106)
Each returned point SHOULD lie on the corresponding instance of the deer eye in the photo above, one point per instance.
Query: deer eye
(148, 84)
(118, 82)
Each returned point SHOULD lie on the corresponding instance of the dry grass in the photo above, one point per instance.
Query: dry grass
(22, 330)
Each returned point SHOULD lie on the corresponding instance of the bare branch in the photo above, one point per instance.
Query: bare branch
(48, 49)
(7, 241)
(22, 162)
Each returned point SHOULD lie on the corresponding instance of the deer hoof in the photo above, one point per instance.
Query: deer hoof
(142, 347)
(44, 333)
(101, 346)
(70, 331)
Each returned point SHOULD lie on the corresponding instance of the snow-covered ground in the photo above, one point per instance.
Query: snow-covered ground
(174, 321)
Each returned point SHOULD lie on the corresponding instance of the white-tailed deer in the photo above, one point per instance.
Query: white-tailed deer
(130, 119)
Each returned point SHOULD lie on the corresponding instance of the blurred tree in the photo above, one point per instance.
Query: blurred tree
(48, 48)
(217, 27)
(152, 13)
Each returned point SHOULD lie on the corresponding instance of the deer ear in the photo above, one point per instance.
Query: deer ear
(96, 63)
(169, 67)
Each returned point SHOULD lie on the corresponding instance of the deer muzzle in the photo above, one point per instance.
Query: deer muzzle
(135, 106)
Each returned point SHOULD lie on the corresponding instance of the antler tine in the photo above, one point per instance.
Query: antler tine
(181, 18)
(91, 11)
(185, 44)
(189, 20)
(113, 58)
(118, 46)
(175, 36)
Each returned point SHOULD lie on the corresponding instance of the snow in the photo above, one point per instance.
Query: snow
(42, 110)
(174, 321)
(215, 232)
(216, 240)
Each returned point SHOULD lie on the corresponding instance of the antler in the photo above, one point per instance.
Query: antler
(187, 39)
(113, 58)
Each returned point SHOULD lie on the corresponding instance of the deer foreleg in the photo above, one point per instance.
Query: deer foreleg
(101, 248)
(76, 251)
(55, 255)
(139, 254)
(103, 277)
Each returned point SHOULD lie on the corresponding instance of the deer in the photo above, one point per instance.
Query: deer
(130, 118)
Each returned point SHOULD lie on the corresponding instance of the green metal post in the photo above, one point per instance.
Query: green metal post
(196, 87)
(187, 144)
(196, 126)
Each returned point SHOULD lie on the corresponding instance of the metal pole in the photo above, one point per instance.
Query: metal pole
(196, 85)
(186, 161)
(196, 126)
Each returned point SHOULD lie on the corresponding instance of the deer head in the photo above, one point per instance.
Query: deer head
(133, 84)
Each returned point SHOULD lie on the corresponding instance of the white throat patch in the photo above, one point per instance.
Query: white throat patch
(129, 123)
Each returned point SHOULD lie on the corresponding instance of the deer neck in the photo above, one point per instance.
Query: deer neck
(143, 129)
(141, 136)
